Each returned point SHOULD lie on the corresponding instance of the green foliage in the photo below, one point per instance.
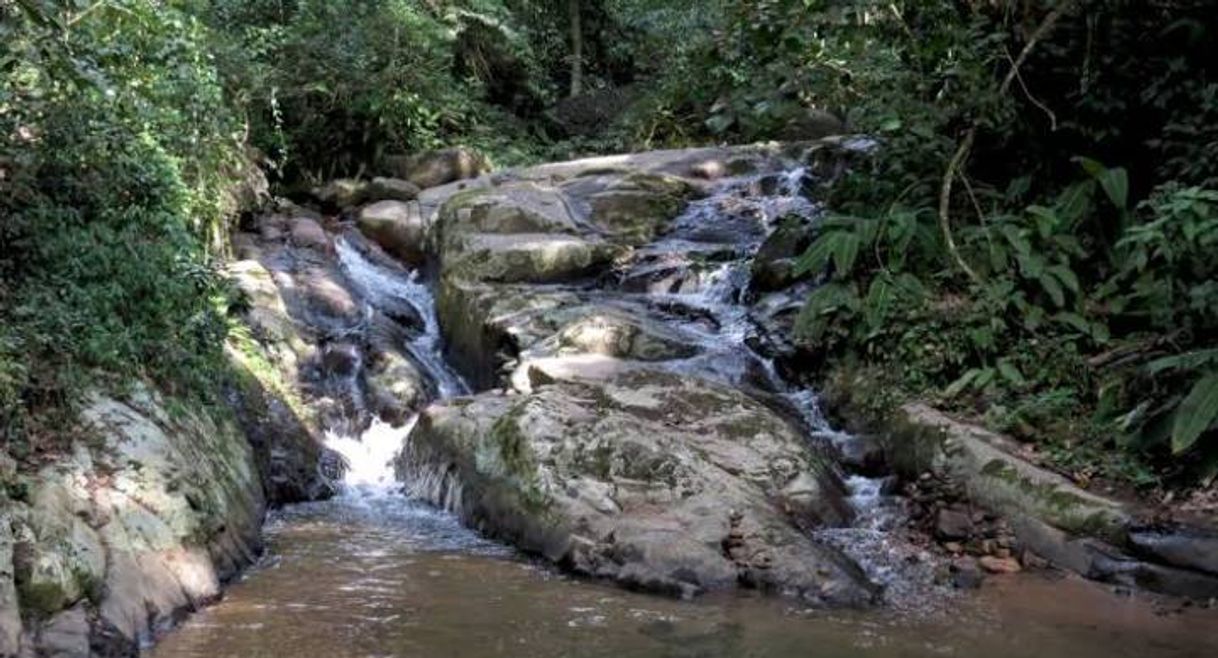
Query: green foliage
(1052, 280)
(327, 86)
(117, 148)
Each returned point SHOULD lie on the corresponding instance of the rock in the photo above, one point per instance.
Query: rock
(1124, 570)
(10, 610)
(66, 635)
(396, 387)
(812, 124)
(632, 208)
(329, 304)
(397, 227)
(999, 565)
(1189, 548)
(774, 265)
(509, 208)
(485, 326)
(287, 448)
(965, 573)
(615, 334)
(631, 478)
(953, 525)
(392, 189)
(341, 359)
(177, 510)
(1031, 560)
(987, 467)
(342, 193)
(709, 169)
(434, 168)
(861, 454)
(308, 234)
(528, 258)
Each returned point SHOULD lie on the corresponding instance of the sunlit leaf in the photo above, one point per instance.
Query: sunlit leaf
(1196, 414)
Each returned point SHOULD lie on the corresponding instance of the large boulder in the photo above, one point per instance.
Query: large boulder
(267, 353)
(528, 258)
(631, 207)
(396, 387)
(342, 193)
(434, 168)
(656, 481)
(513, 207)
(392, 189)
(811, 124)
(397, 227)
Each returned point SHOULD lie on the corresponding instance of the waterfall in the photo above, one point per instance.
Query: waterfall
(381, 286)
(368, 458)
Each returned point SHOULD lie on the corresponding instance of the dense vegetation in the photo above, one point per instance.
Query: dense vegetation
(1028, 241)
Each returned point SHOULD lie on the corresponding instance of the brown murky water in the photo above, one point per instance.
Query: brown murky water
(385, 577)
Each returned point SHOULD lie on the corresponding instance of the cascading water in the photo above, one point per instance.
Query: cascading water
(732, 223)
(367, 457)
(372, 572)
(382, 285)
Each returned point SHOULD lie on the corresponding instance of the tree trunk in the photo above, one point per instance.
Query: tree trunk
(577, 48)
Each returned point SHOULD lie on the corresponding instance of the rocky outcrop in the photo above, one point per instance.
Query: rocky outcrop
(392, 189)
(342, 193)
(659, 482)
(636, 441)
(154, 506)
(333, 349)
(774, 266)
(516, 248)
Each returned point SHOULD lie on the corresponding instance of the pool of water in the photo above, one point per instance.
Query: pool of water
(374, 575)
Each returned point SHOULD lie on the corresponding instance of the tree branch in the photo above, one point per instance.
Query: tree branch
(961, 156)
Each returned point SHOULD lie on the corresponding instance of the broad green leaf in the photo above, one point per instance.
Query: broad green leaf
(1011, 373)
(1074, 321)
(821, 306)
(1074, 203)
(1116, 185)
(957, 387)
(879, 299)
(1196, 413)
(911, 285)
(1054, 289)
(845, 252)
(1115, 181)
(1186, 361)
(1066, 276)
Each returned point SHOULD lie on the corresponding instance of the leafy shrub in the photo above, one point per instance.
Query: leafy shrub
(1042, 279)
(117, 144)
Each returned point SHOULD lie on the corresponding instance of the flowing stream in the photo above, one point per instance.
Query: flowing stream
(372, 573)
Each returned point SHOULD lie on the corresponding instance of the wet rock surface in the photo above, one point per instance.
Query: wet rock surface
(629, 431)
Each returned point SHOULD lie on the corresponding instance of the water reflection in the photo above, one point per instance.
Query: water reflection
(388, 577)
